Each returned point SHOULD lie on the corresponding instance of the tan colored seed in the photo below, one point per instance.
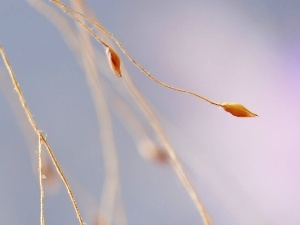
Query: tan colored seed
(237, 109)
(114, 61)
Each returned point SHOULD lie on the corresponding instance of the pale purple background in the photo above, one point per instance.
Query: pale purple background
(245, 170)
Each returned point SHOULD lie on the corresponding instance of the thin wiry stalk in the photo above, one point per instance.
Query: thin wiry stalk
(127, 117)
(56, 19)
(68, 10)
(177, 166)
(111, 182)
(42, 219)
(39, 133)
(166, 144)
(83, 51)
(175, 162)
(152, 118)
(25, 126)
(88, 29)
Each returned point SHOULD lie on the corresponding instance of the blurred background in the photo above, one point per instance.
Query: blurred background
(246, 170)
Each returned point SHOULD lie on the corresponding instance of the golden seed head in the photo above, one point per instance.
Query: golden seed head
(114, 61)
(237, 109)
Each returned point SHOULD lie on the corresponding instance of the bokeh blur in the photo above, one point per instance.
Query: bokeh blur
(246, 170)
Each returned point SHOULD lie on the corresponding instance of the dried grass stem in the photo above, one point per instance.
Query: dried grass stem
(39, 133)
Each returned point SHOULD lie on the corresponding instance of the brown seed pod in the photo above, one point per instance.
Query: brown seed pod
(237, 109)
(114, 61)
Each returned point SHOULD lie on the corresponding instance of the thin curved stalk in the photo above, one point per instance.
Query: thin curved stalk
(68, 10)
(152, 118)
(111, 182)
(39, 133)
(42, 219)
(83, 50)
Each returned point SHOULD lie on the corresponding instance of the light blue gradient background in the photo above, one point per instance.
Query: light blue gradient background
(245, 170)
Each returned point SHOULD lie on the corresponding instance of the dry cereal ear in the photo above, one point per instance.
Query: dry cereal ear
(237, 109)
(114, 61)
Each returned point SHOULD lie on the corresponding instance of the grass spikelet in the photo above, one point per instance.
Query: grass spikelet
(237, 109)
(114, 61)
